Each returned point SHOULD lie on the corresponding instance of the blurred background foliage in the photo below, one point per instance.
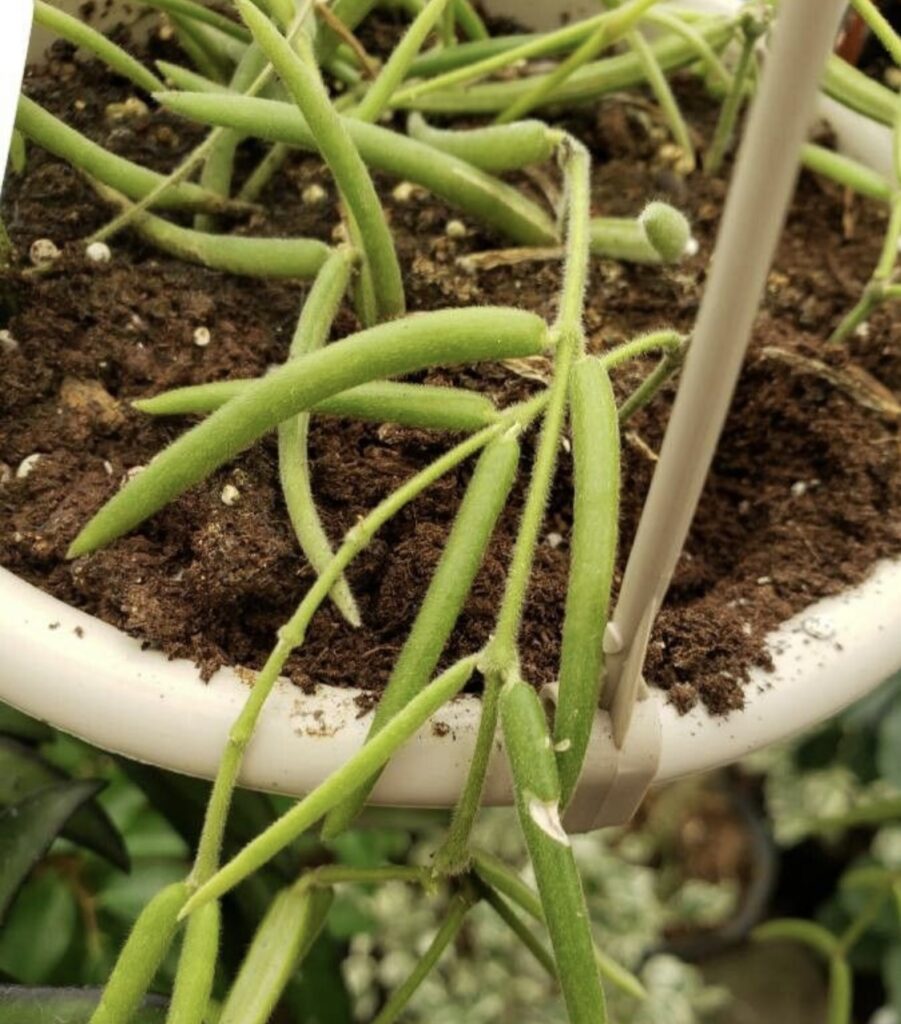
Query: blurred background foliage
(805, 831)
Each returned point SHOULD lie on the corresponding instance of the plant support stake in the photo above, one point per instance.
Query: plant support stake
(755, 209)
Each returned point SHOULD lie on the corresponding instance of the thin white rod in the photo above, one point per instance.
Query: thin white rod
(756, 205)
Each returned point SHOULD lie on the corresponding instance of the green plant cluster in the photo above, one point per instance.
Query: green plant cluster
(274, 75)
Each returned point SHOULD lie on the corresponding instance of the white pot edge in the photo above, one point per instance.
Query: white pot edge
(91, 680)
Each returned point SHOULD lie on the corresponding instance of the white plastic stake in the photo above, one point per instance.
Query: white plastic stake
(15, 28)
(758, 199)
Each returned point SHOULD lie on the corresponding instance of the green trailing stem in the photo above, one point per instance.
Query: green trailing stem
(469, 21)
(661, 234)
(714, 67)
(341, 874)
(752, 27)
(596, 483)
(199, 154)
(279, 11)
(670, 363)
(845, 83)
(132, 180)
(537, 789)
(495, 873)
(370, 758)
(448, 589)
(495, 148)
(141, 956)
(454, 336)
(77, 32)
(519, 928)
(587, 83)
(501, 655)
(218, 167)
(186, 78)
(300, 258)
(604, 35)
(665, 341)
(196, 968)
(378, 95)
(264, 172)
(282, 941)
(881, 27)
(18, 155)
(663, 93)
(453, 917)
(841, 992)
(486, 199)
(193, 11)
(337, 148)
(200, 49)
(351, 12)
(312, 332)
(845, 171)
(408, 405)
(879, 289)
(292, 633)
(481, 59)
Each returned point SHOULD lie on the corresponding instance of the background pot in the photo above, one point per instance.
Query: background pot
(89, 679)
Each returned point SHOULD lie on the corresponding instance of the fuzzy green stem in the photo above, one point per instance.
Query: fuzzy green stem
(132, 180)
(845, 83)
(301, 77)
(537, 789)
(494, 148)
(460, 905)
(881, 27)
(282, 941)
(455, 336)
(448, 589)
(378, 96)
(725, 125)
(469, 21)
(200, 49)
(495, 873)
(596, 483)
(605, 34)
(197, 156)
(75, 31)
(519, 928)
(141, 956)
(661, 234)
(665, 341)
(409, 405)
(845, 171)
(493, 202)
(196, 968)
(337, 786)
(264, 172)
(201, 13)
(669, 364)
(300, 258)
(667, 101)
(595, 79)
(312, 332)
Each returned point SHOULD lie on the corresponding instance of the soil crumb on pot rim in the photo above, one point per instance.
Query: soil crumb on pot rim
(803, 498)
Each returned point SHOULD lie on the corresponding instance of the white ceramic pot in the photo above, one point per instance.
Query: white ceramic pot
(93, 681)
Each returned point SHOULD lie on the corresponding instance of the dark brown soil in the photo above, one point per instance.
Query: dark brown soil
(803, 498)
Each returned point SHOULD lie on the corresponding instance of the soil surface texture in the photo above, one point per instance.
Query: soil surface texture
(803, 498)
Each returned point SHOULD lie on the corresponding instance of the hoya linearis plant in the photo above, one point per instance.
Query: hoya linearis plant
(269, 75)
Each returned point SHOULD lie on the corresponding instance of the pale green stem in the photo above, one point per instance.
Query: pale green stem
(378, 96)
(604, 35)
(725, 125)
(197, 156)
(660, 86)
(669, 364)
(313, 328)
(264, 172)
(75, 31)
(301, 77)
(881, 27)
(450, 926)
